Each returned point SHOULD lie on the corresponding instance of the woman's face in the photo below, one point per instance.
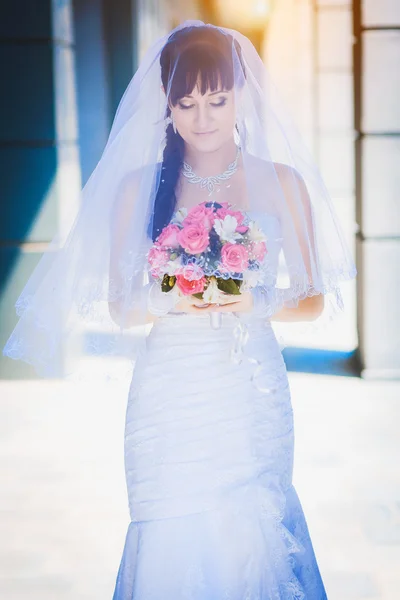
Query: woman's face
(205, 122)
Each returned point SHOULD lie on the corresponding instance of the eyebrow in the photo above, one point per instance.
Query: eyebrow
(211, 94)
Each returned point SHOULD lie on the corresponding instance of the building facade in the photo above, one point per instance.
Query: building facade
(336, 63)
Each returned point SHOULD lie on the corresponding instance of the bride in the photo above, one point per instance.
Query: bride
(199, 150)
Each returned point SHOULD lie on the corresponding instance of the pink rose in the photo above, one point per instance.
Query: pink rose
(187, 287)
(234, 257)
(157, 257)
(258, 250)
(193, 238)
(222, 212)
(190, 272)
(242, 229)
(169, 236)
(200, 214)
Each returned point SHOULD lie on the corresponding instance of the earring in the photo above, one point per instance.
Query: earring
(236, 135)
(168, 121)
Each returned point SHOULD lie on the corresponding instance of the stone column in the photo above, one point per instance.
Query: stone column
(121, 24)
(377, 122)
(40, 176)
(289, 56)
(92, 82)
(309, 54)
(334, 135)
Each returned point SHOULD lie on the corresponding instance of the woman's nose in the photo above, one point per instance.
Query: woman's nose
(202, 118)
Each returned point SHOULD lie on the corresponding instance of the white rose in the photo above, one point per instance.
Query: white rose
(252, 278)
(180, 214)
(226, 229)
(171, 266)
(212, 293)
(255, 234)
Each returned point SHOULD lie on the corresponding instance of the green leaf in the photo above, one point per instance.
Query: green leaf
(229, 286)
(168, 282)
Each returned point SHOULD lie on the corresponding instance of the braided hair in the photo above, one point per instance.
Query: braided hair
(191, 54)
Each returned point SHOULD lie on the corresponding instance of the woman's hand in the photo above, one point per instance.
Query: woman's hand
(228, 303)
(242, 302)
(191, 304)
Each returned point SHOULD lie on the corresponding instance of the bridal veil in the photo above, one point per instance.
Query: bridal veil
(88, 295)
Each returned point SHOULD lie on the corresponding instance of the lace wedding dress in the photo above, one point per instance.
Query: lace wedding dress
(209, 459)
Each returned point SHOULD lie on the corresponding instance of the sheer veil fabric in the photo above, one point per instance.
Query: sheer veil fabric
(89, 293)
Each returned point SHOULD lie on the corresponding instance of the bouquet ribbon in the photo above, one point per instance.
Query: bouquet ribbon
(237, 354)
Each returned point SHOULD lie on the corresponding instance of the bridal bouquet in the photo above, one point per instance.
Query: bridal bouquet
(209, 252)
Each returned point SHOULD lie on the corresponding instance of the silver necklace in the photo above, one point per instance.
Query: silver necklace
(213, 180)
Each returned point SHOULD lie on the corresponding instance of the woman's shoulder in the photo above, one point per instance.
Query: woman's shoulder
(263, 167)
(290, 180)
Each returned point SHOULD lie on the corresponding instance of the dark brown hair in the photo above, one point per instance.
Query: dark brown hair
(196, 54)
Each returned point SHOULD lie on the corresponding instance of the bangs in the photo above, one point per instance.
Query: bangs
(203, 64)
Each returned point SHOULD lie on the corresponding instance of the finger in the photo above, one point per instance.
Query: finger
(198, 307)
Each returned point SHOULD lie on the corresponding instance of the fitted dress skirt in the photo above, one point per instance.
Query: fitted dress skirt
(209, 462)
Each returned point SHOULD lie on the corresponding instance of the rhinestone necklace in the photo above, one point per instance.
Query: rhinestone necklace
(213, 180)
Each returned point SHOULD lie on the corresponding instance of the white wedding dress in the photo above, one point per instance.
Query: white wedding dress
(208, 459)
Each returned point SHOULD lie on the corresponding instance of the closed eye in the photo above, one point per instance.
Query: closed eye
(221, 103)
(187, 106)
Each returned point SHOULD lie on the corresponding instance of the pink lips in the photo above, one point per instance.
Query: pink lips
(205, 132)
